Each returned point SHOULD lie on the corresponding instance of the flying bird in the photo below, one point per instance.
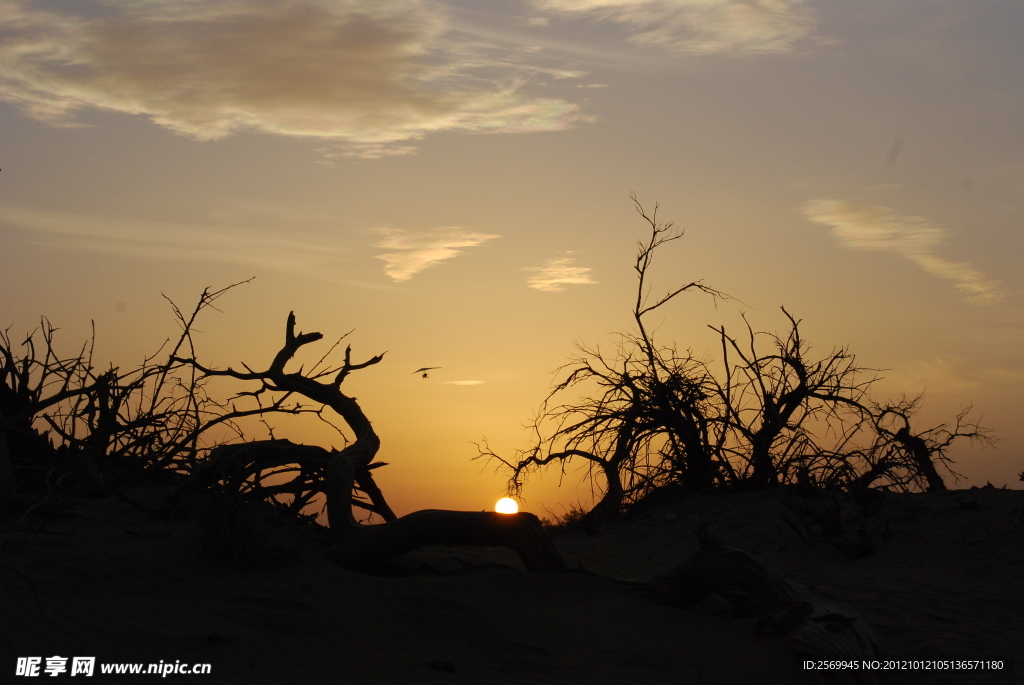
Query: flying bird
(424, 370)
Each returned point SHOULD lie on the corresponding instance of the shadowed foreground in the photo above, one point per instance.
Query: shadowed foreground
(943, 582)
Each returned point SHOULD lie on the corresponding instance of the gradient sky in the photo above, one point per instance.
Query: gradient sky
(452, 179)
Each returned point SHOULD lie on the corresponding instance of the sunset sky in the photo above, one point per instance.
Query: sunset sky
(452, 180)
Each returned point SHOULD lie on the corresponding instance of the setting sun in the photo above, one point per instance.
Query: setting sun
(506, 505)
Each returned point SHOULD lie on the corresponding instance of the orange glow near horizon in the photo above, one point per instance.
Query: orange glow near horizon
(506, 505)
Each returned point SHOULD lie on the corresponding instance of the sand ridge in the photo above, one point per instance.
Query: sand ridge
(107, 580)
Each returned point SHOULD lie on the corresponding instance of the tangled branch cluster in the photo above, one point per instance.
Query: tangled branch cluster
(657, 418)
(66, 425)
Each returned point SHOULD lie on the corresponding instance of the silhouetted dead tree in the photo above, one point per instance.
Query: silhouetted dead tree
(653, 420)
(252, 472)
(777, 406)
(39, 395)
(904, 460)
(65, 424)
(349, 470)
(29, 386)
(639, 432)
(658, 418)
(679, 388)
(238, 466)
(791, 419)
(607, 432)
(153, 419)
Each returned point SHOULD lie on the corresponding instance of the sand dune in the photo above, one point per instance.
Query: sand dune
(944, 581)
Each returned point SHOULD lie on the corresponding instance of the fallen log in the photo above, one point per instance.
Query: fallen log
(363, 546)
(359, 546)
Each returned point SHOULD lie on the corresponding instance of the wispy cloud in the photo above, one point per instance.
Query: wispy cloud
(418, 250)
(558, 273)
(370, 74)
(880, 228)
(942, 374)
(465, 382)
(312, 255)
(698, 26)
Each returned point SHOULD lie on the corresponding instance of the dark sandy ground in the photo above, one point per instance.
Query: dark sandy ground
(101, 578)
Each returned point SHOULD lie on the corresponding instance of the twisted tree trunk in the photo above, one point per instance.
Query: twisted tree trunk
(922, 456)
(358, 546)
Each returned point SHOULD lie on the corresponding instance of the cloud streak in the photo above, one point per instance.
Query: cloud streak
(318, 256)
(418, 250)
(698, 26)
(558, 273)
(373, 75)
(864, 227)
